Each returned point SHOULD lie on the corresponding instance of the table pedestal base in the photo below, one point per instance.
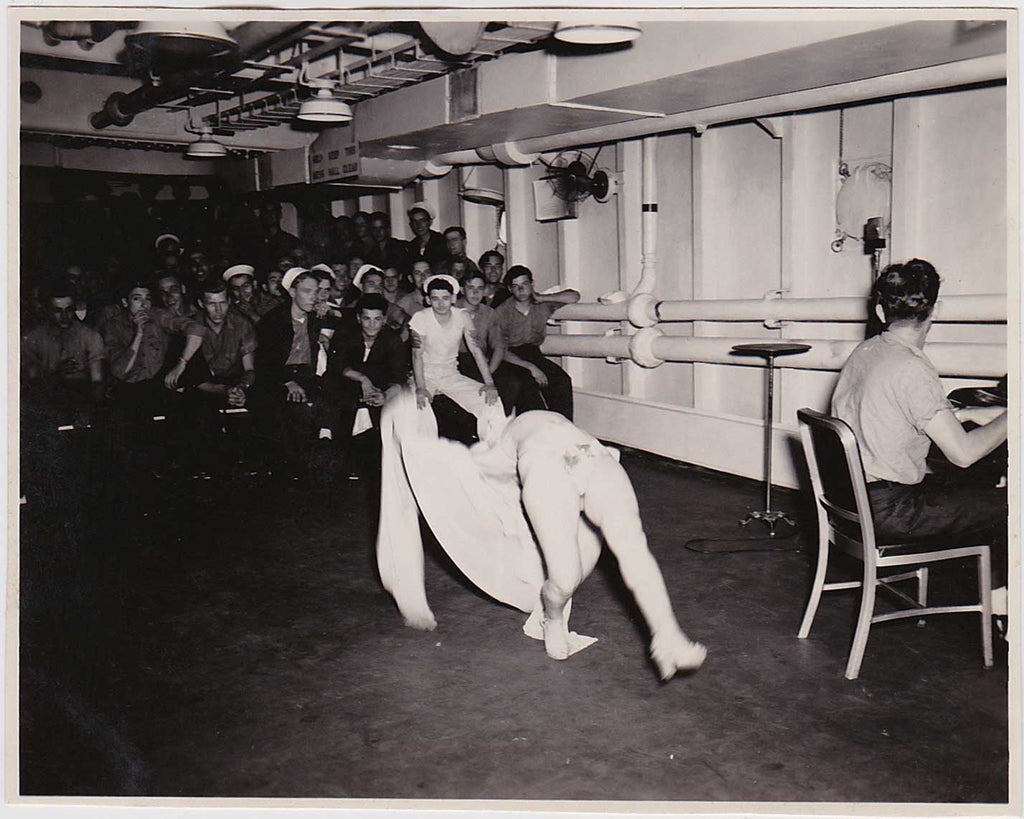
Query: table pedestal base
(768, 517)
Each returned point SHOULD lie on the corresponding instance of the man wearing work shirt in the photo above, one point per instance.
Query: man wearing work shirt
(523, 320)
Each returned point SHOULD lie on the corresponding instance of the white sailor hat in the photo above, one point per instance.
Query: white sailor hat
(424, 207)
(239, 270)
(162, 236)
(326, 268)
(362, 271)
(444, 277)
(291, 274)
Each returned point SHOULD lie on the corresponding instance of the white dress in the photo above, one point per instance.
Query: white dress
(440, 354)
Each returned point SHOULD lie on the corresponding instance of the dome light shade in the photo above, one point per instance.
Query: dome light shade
(597, 33)
(173, 40)
(325, 107)
(206, 147)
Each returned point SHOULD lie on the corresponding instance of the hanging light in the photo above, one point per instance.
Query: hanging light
(597, 33)
(323, 106)
(206, 147)
(173, 40)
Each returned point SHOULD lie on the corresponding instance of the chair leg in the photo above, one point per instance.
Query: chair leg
(867, 609)
(985, 595)
(816, 587)
(922, 591)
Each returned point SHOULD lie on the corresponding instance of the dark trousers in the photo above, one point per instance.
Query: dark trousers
(557, 395)
(286, 430)
(514, 384)
(945, 513)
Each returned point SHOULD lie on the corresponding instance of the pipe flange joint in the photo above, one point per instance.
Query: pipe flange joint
(641, 310)
(508, 153)
(434, 169)
(641, 347)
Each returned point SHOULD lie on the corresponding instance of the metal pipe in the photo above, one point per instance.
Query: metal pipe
(953, 359)
(121, 108)
(962, 72)
(648, 219)
(987, 307)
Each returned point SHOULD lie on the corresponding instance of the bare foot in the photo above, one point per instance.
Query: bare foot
(424, 622)
(673, 652)
(556, 638)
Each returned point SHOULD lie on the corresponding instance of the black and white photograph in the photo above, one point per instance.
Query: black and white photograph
(530, 410)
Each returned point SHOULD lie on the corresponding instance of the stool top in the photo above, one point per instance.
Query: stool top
(771, 349)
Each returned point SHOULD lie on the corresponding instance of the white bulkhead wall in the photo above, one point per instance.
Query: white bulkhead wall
(741, 213)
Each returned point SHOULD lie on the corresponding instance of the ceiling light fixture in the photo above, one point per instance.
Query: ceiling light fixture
(323, 106)
(179, 41)
(206, 147)
(597, 33)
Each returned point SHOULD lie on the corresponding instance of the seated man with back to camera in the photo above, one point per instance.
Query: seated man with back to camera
(891, 396)
(523, 320)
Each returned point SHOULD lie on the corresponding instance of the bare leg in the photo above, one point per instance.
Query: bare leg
(553, 507)
(610, 503)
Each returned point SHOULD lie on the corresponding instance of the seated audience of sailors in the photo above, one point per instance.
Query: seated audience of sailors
(302, 339)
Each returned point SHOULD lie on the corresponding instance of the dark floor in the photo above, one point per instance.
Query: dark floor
(233, 640)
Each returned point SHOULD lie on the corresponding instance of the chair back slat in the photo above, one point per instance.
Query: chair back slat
(837, 474)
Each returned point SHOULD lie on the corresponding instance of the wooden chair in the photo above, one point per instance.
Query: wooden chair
(844, 521)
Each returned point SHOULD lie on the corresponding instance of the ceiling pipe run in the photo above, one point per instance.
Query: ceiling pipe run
(949, 75)
(649, 347)
(121, 109)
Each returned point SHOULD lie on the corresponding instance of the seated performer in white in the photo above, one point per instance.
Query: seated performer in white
(436, 336)
(573, 491)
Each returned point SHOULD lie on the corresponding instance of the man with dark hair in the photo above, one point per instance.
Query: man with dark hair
(62, 359)
(363, 246)
(492, 265)
(218, 377)
(891, 396)
(386, 251)
(138, 336)
(173, 296)
(226, 366)
(274, 242)
(523, 320)
(457, 263)
(510, 380)
(363, 365)
(140, 341)
(414, 301)
(426, 244)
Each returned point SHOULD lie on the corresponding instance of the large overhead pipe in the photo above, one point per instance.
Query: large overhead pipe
(121, 108)
(989, 307)
(948, 75)
(650, 348)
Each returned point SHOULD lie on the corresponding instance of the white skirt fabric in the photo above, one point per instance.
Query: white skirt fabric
(475, 515)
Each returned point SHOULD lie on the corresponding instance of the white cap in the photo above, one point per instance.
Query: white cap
(324, 268)
(362, 271)
(163, 236)
(291, 274)
(425, 208)
(239, 270)
(445, 277)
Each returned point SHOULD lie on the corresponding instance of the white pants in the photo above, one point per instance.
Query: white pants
(464, 391)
